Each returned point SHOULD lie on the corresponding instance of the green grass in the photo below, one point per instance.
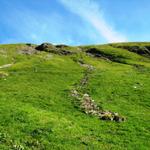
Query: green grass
(37, 111)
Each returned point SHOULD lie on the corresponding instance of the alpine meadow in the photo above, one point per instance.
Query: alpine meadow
(75, 97)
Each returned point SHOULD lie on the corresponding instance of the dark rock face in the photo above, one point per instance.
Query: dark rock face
(45, 47)
(141, 50)
(64, 52)
(58, 49)
(148, 47)
(97, 53)
(62, 46)
(137, 49)
(28, 44)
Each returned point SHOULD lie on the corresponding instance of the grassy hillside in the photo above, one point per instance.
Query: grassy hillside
(39, 112)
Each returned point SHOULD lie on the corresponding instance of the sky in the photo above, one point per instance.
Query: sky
(74, 22)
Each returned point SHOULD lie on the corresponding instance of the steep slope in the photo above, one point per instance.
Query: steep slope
(38, 110)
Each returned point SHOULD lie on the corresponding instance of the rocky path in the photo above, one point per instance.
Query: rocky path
(87, 104)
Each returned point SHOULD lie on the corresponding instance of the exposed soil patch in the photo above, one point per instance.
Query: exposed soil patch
(28, 49)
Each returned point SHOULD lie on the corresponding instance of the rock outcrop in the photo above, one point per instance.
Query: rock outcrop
(58, 49)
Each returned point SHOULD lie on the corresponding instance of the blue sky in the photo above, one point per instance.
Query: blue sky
(74, 22)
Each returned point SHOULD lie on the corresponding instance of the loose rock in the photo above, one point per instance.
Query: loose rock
(89, 106)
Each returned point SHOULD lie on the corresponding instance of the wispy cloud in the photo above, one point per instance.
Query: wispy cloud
(27, 25)
(55, 24)
(90, 11)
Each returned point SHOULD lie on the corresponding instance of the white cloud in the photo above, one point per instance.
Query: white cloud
(90, 11)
